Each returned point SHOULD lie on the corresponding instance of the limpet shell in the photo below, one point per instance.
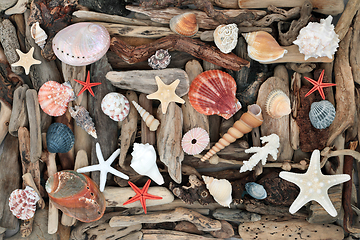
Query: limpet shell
(255, 190)
(322, 114)
(116, 106)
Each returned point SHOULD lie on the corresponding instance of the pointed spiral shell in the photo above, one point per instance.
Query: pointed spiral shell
(149, 119)
(83, 119)
(38, 34)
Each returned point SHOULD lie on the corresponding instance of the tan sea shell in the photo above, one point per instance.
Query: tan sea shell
(262, 47)
(149, 119)
(226, 37)
(38, 34)
(220, 189)
(184, 24)
(278, 104)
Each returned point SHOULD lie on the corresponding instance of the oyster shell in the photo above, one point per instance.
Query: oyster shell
(226, 37)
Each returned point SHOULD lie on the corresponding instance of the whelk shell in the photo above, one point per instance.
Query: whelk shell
(220, 189)
(38, 34)
(322, 114)
(278, 104)
(226, 37)
(22, 203)
(195, 141)
(83, 119)
(184, 24)
(116, 106)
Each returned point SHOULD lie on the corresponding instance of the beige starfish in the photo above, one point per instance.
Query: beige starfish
(26, 60)
(166, 93)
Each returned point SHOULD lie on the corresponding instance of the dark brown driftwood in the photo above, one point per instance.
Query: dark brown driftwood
(278, 15)
(195, 47)
(19, 116)
(226, 230)
(147, 136)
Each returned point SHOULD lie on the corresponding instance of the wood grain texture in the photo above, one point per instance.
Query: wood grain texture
(147, 136)
(33, 107)
(19, 116)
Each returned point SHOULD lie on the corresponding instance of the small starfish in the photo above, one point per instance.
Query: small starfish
(314, 185)
(26, 60)
(87, 85)
(141, 195)
(166, 93)
(319, 85)
(104, 167)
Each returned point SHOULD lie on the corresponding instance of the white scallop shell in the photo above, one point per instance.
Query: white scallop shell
(226, 37)
(322, 114)
(22, 203)
(116, 106)
(38, 34)
(220, 189)
(81, 44)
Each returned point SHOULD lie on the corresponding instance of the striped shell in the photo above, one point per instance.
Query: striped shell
(38, 34)
(83, 119)
(278, 104)
(226, 37)
(195, 141)
(184, 24)
(322, 114)
(256, 190)
(116, 106)
(59, 138)
(220, 189)
(213, 92)
(22, 203)
(81, 44)
(149, 119)
(54, 97)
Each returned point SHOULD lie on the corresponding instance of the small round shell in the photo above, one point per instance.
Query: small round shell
(322, 114)
(160, 60)
(22, 203)
(220, 189)
(38, 34)
(226, 37)
(255, 190)
(116, 106)
(195, 141)
(184, 24)
(278, 104)
(59, 138)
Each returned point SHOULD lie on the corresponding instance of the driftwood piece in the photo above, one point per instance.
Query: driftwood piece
(195, 47)
(5, 115)
(26, 227)
(161, 234)
(104, 231)
(301, 67)
(346, 18)
(29, 181)
(235, 215)
(6, 4)
(147, 136)
(226, 230)
(33, 110)
(74, 72)
(295, 102)
(196, 206)
(19, 116)
(278, 15)
(179, 214)
(169, 135)
(355, 50)
(187, 227)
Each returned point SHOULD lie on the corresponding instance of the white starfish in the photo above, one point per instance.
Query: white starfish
(26, 60)
(314, 185)
(104, 167)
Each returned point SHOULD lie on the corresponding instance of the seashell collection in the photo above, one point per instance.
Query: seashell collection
(322, 114)
(116, 106)
(184, 24)
(22, 203)
(226, 37)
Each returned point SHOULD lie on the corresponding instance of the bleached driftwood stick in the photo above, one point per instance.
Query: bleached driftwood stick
(5, 114)
(19, 116)
(33, 110)
(346, 18)
(162, 234)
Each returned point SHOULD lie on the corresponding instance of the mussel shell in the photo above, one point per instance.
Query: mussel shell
(59, 138)
(322, 114)
(255, 190)
(76, 195)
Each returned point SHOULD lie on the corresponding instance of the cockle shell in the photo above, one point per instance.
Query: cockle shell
(220, 189)
(184, 24)
(255, 190)
(83, 119)
(22, 203)
(59, 138)
(81, 44)
(226, 37)
(149, 119)
(263, 47)
(213, 92)
(318, 39)
(76, 195)
(116, 106)
(322, 114)
(38, 34)
(144, 162)
(195, 141)
(160, 60)
(54, 97)
(278, 104)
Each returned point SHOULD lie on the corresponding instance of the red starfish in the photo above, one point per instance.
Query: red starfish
(87, 85)
(141, 195)
(319, 85)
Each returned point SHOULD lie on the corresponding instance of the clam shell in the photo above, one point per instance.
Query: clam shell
(22, 203)
(255, 190)
(195, 141)
(81, 44)
(83, 119)
(160, 60)
(278, 104)
(263, 47)
(116, 106)
(184, 24)
(213, 92)
(54, 97)
(226, 37)
(322, 114)
(59, 138)
(38, 34)
(220, 189)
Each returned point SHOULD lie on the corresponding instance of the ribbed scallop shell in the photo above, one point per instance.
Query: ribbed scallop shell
(322, 114)
(213, 92)
(184, 24)
(262, 47)
(22, 203)
(54, 97)
(83, 119)
(116, 106)
(149, 119)
(220, 189)
(255, 190)
(278, 104)
(226, 37)
(38, 34)
(81, 44)
(195, 141)
(160, 60)
(59, 138)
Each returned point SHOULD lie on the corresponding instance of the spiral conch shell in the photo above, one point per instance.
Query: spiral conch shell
(278, 104)
(184, 24)
(220, 189)
(38, 34)
(149, 119)
(226, 37)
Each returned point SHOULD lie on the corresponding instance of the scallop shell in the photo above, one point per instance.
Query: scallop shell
(59, 138)
(213, 92)
(256, 190)
(54, 97)
(160, 60)
(220, 189)
(322, 114)
(22, 203)
(195, 141)
(38, 34)
(278, 104)
(83, 119)
(184, 24)
(263, 47)
(81, 44)
(116, 106)
(149, 119)
(226, 37)
(76, 195)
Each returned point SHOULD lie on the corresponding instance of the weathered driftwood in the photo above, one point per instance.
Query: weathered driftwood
(328, 153)
(6, 4)
(301, 67)
(161, 234)
(295, 101)
(187, 227)
(5, 115)
(26, 227)
(19, 116)
(147, 136)
(104, 231)
(29, 181)
(19, 21)
(235, 215)
(195, 47)
(74, 72)
(346, 18)
(355, 50)
(226, 230)
(179, 214)
(33, 110)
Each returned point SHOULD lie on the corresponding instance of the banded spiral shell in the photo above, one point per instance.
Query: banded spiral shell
(59, 138)
(220, 189)
(195, 141)
(322, 114)
(213, 92)
(81, 44)
(83, 119)
(255, 190)
(22, 203)
(278, 104)
(226, 37)
(149, 119)
(38, 34)
(184, 24)
(116, 106)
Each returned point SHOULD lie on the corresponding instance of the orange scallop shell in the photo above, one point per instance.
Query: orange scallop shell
(184, 24)
(213, 92)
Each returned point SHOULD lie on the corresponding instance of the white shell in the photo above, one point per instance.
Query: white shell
(220, 189)
(226, 37)
(322, 114)
(116, 106)
(38, 34)
(22, 203)
(149, 119)
(144, 162)
(318, 39)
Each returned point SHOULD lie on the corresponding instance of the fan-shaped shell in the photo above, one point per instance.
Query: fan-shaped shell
(255, 190)
(184, 24)
(263, 47)
(22, 203)
(59, 138)
(54, 97)
(322, 114)
(226, 37)
(160, 60)
(81, 44)
(38, 34)
(195, 141)
(116, 106)
(213, 92)
(278, 104)
(76, 195)
(220, 189)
